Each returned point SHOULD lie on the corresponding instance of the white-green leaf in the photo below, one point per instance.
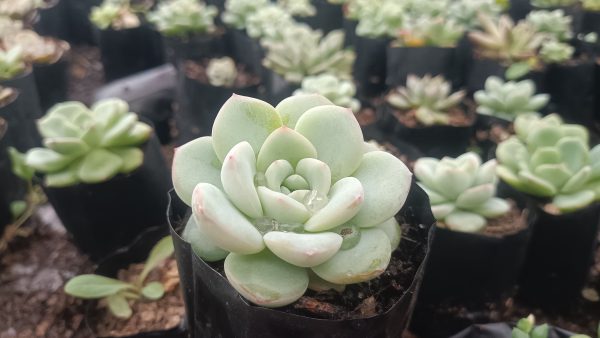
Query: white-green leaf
(573, 202)
(284, 144)
(281, 207)
(316, 173)
(276, 173)
(46, 160)
(132, 158)
(475, 196)
(345, 200)
(237, 176)
(493, 207)
(91, 286)
(465, 221)
(201, 243)
(291, 108)
(118, 306)
(99, 165)
(304, 250)
(392, 230)
(153, 290)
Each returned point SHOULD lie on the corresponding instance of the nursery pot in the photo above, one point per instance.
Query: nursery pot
(52, 82)
(215, 309)
(369, 68)
(559, 255)
(503, 330)
(419, 61)
(80, 28)
(195, 47)
(328, 16)
(52, 20)
(105, 216)
(136, 252)
(128, 51)
(7, 178)
(481, 69)
(246, 50)
(29, 106)
(571, 88)
(349, 32)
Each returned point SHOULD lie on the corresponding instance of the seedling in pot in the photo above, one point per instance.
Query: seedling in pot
(507, 100)
(340, 92)
(12, 63)
(554, 23)
(551, 160)
(429, 97)
(115, 14)
(221, 72)
(461, 191)
(237, 11)
(289, 197)
(526, 328)
(116, 293)
(181, 18)
(88, 145)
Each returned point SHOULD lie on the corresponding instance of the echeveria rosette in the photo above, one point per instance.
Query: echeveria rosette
(551, 160)
(461, 190)
(290, 197)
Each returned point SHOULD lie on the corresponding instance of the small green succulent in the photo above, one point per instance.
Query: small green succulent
(507, 100)
(591, 5)
(430, 97)
(340, 92)
(553, 3)
(556, 52)
(526, 328)
(221, 72)
(269, 22)
(461, 191)
(428, 31)
(304, 52)
(551, 160)
(554, 23)
(290, 198)
(383, 20)
(299, 8)
(182, 18)
(237, 11)
(115, 14)
(88, 145)
(11, 63)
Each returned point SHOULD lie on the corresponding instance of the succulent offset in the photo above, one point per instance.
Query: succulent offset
(84, 145)
(237, 11)
(554, 23)
(221, 72)
(339, 92)
(430, 98)
(461, 191)
(551, 160)
(181, 18)
(290, 198)
(507, 100)
(11, 63)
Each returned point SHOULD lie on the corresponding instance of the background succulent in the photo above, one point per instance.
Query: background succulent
(465, 11)
(553, 3)
(303, 52)
(289, 190)
(507, 100)
(18, 9)
(299, 8)
(461, 190)
(11, 63)
(88, 145)
(430, 31)
(268, 22)
(35, 48)
(237, 11)
(115, 14)
(221, 72)
(383, 20)
(430, 97)
(340, 92)
(556, 52)
(554, 23)
(552, 160)
(591, 5)
(183, 17)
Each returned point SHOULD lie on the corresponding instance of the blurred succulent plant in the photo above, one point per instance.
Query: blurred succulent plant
(383, 20)
(593, 6)
(507, 100)
(237, 11)
(526, 328)
(180, 18)
(430, 98)
(11, 63)
(18, 9)
(553, 3)
(550, 159)
(554, 23)
(340, 92)
(428, 31)
(88, 145)
(465, 11)
(556, 52)
(290, 193)
(299, 8)
(354, 8)
(6, 93)
(9, 26)
(303, 52)
(461, 191)
(36, 49)
(269, 22)
(222, 72)
(115, 14)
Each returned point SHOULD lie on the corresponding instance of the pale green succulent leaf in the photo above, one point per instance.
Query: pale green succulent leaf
(316, 173)
(392, 230)
(284, 144)
(162, 250)
(303, 250)
(113, 136)
(201, 243)
(440, 211)
(425, 171)
(475, 196)
(434, 197)
(281, 207)
(295, 182)
(573, 202)
(237, 176)
(509, 176)
(62, 178)
(536, 185)
(89, 286)
(118, 306)
(132, 158)
(555, 174)
(487, 173)
(577, 181)
(545, 155)
(99, 165)
(454, 180)
(46, 160)
(493, 207)
(465, 221)
(109, 111)
(574, 153)
(541, 331)
(53, 126)
(276, 173)
(138, 134)
(153, 291)
(544, 136)
(70, 146)
(345, 200)
(291, 108)
(318, 284)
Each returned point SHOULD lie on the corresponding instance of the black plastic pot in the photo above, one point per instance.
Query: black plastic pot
(590, 22)
(369, 68)
(51, 81)
(128, 51)
(503, 330)
(481, 69)
(52, 20)
(328, 17)
(196, 47)
(81, 30)
(29, 106)
(246, 50)
(419, 61)
(559, 255)
(571, 88)
(349, 32)
(278, 88)
(6, 179)
(136, 252)
(105, 216)
(215, 309)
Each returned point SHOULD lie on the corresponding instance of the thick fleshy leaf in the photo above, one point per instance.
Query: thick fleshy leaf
(511, 153)
(281, 207)
(277, 172)
(345, 200)
(487, 173)
(544, 136)
(132, 158)
(392, 230)
(509, 176)
(304, 250)
(573, 152)
(574, 202)
(46, 160)
(545, 155)
(138, 134)
(223, 223)
(493, 207)
(440, 211)
(237, 176)
(434, 197)
(452, 181)
(300, 195)
(95, 286)
(113, 136)
(162, 250)
(201, 243)
(366, 260)
(64, 178)
(109, 111)
(555, 174)
(195, 162)
(118, 306)
(318, 284)
(577, 181)
(425, 171)
(291, 108)
(465, 221)
(66, 145)
(69, 110)
(243, 119)
(475, 196)
(52, 126)
(295, 182)
(99, 165)
(535, 185)
(337, 137)
(316, 173)
(153, 291)
(468, 162)
(386, 183)
(284, 144)
(266, 280)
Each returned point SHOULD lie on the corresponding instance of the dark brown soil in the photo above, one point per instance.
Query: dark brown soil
(197, 71)
(166, 313)
(458, 118)
(366, 116)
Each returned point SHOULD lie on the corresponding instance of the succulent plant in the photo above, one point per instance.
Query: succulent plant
(115, 14)
(237, 11)
(222, 72)
(551, 160)
(269, 22)
(340, 92)
(461, 191)
(553, 3)
(428, 31)
(591, 5)
(556, 52)
(290, 193)
(507, 100)
(354, 8)
(11, 63)
(554, 23)
(303, 52)
(429, 97)
(465, 11)
(9, 26)
(88, 145)
(36, 49)
(182, 18)
(299, 8)
(383, 20)
(18, 9)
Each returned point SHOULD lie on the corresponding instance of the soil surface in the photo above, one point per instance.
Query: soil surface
(197, 71)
